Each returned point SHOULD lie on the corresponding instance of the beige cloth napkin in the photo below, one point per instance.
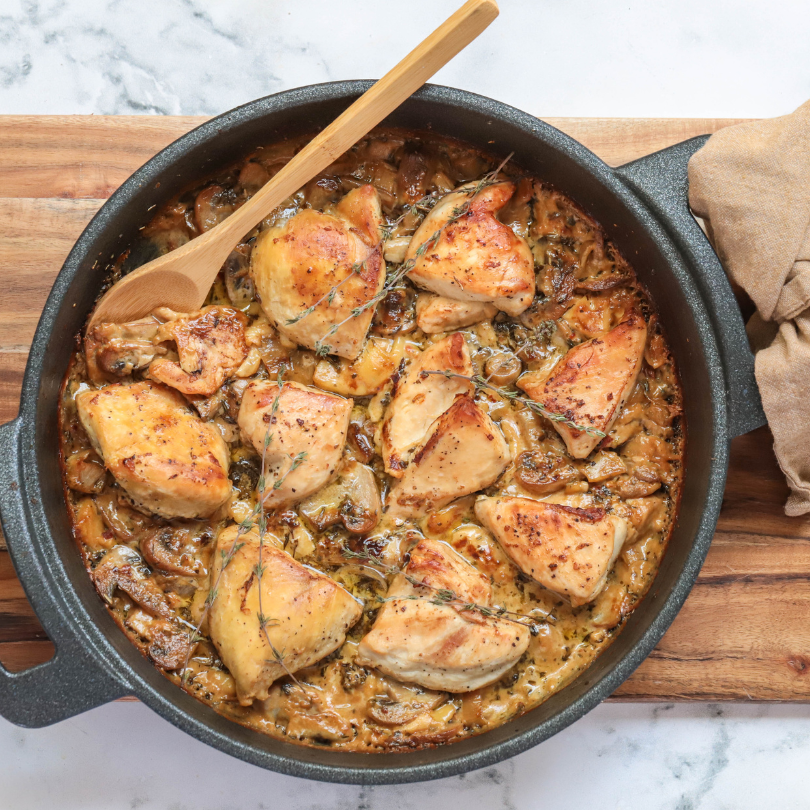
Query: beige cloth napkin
(751, 183)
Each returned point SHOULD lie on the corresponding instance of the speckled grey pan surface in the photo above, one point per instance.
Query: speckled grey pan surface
(642, 206)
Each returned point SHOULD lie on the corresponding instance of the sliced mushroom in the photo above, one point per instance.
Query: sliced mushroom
(396, 313)
(213, 204)
(127, 524)
(117, 349)
(310, 719)
(503, 368)
(353, 498)
(401, 704)
(244, 473)
(632, 486)
(606, 281)
(122, 567)
(542, 473)
(168, 645)
(238, 283)
(252, 177)
(389, 712)
(176, 550)
(361, 438)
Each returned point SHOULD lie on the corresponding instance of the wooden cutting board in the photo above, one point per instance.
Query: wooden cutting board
(744, 633)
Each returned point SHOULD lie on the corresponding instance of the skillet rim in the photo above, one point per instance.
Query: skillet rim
(313, 763)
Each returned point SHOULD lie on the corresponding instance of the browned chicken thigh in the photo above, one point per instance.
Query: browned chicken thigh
(300, 264)
(420, 398)
(569, 551)
(299, 431)
(307, 613)
(476, 257)
(435, 313)
(465, 452)
(441, 646)
(167, 459)
(211, 345)
(590, 384)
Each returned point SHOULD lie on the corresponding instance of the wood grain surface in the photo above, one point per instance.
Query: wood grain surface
(744, 633)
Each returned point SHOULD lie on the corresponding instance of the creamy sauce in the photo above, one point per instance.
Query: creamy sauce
(585, 288)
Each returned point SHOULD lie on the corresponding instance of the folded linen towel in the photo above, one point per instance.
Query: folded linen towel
(751, 184)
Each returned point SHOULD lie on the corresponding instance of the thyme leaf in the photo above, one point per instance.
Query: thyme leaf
(444, 596)
(483, 384)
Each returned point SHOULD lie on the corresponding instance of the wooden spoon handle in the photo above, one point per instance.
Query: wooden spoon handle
(373, 106)
(182, 278)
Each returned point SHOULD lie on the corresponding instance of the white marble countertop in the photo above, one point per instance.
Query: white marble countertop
(671, 58)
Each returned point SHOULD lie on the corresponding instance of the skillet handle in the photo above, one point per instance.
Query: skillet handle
(661, 180)
(71, 682)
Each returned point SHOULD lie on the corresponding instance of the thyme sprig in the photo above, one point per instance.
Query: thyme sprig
(263, 619)
(245, 526)
(322, 347)
(482, 384)
(542, 332)
(444, 596)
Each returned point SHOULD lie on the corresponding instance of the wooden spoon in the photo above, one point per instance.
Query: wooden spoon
(182, 278)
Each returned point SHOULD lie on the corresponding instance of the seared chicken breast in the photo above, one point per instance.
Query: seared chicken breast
(419, 399)
(307, 613)
(441, 646)
(465, 452)
(211, 346)
(569, 551)
(590, 384)
(298, 264)
(435, 313)
(299, 431)
(476, 257)
(169, 461)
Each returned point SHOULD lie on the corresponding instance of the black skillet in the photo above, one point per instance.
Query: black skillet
(642, 206)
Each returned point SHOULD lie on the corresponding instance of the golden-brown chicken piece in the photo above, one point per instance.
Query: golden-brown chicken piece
(569, 551)
(211, 345)
(476, 257)
(307, 431)
(441, 646)
(419, 399)
(296, 265)
(307, 613)
(370, 372)
(435, 313)
(464, 453)
(590, 384)
(169, 461)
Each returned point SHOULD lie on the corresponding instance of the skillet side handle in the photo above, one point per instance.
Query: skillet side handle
(661, 180)
(71, 682)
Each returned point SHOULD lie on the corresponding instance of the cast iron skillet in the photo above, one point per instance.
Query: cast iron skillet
(643, 208)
